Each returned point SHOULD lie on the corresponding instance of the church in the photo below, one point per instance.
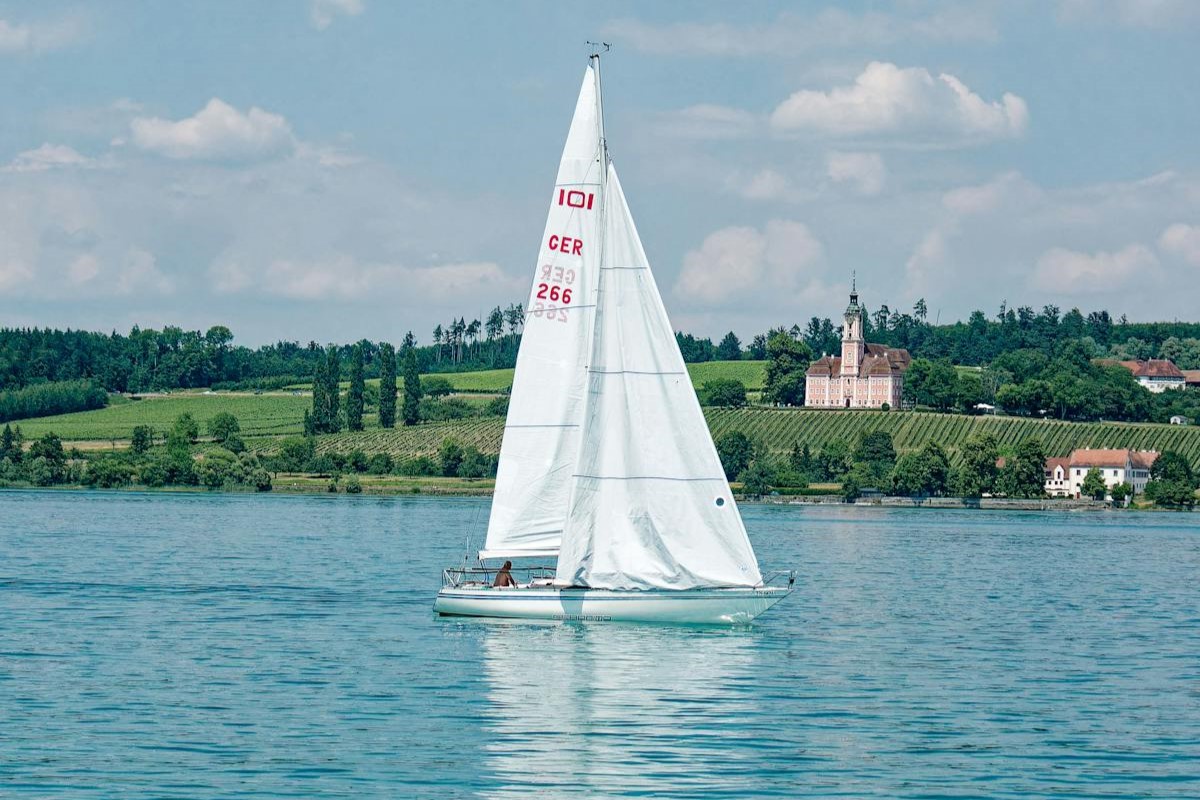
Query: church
(866, 375)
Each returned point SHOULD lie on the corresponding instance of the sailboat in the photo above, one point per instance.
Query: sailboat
(607, 463)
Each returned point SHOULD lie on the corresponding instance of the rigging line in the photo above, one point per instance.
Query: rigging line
(647, 478)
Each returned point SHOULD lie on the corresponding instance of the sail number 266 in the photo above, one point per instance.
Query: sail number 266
(554, 287)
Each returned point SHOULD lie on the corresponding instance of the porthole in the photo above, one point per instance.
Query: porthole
(720, 502)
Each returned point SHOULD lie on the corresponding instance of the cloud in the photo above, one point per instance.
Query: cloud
(767, 184)
(865, 170)
(216, 132)
(706, 121)
(737, 261)
(323, 12)
(1182, 240)
(48, 156)
(138, 273)
(1071, 272)
(887, 99)
(791, 35)
(1151, 14)
(34, 38)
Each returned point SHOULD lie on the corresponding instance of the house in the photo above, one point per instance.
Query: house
(1115, 466)
(1179, 419)
(866, 375)
(1057, 472)
(1191, 378)
(1157, 374)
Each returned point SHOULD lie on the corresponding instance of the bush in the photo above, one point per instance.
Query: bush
(498, 406)
(260, 479)
(436, 386)
(235, 443)
(475, 464)
(450, 455)
(186, 427)
(295, 453)
(108, 472)
(143, 439)
(357, 461)
(433, 410)
(419, 466)
(736, 450)
(353, 486)
(380, 464)
(724, 392)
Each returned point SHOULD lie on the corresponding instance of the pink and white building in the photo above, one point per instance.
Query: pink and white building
(866, 375)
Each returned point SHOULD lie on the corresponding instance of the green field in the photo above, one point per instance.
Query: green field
(780, 429)
(750, 373)
(265, 417)
(259, 415)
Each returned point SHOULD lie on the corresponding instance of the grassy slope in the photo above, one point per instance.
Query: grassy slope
(780, 429)
(750, 373)
(259, 415)
(266, 416)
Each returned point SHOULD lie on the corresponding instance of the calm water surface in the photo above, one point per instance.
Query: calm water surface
(156, 645)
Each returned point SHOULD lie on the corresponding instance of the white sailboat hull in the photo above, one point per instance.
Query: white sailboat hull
(690, 606)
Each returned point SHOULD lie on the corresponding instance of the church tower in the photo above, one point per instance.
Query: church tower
(852, 334)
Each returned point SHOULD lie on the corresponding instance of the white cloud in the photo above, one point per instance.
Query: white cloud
(32, 38)
(1182, 240)
(83, 269)
(790, 35)
(346, 278)
(1071, 272)
(767, 184)
(889, 99)
(48, 156)
(323, 12)
(737, 261)
(13, 272)
(216, 132)
(865, 170)
(138, 273)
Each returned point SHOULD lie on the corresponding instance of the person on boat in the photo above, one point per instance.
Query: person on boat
(504, 576)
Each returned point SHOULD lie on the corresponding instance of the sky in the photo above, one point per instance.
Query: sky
(332, 170)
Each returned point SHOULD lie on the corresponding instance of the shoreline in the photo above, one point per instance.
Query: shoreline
(431, 487)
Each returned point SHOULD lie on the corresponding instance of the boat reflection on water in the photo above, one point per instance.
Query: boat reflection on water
(614, 709)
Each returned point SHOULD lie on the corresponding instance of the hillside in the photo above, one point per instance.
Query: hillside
(780, 429)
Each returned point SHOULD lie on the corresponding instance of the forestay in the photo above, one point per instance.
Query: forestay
(650, 506)
(541, 435)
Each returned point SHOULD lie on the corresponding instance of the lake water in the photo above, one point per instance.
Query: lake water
(159, 645)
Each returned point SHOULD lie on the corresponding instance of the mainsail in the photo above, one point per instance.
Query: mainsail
(541, 434)
(650, 506)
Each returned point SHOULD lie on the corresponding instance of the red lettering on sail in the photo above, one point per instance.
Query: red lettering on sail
(566, 244)
(576, 199)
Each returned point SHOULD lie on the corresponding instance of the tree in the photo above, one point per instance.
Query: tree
(1173, 483)
(1025, 474)
(757, 479)
(730, 348)
(474, 464)
(450, 456)
(922, 474)
(387, 385)
(333, 390)
(142, 440)
(436, 386)
(355, 396)
(1121, 494)
(725, 392)
(835, 460)
(787, 364)
(736, 450)
(1093, 485)
(977, 475)
(222, 425)
(411, 412)
(801, 460)
(186, 427)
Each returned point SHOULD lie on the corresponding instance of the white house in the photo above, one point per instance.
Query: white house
(1157, 374)
(1065, 476)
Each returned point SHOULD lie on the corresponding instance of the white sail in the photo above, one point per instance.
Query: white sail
(650, 506)
(541, 434)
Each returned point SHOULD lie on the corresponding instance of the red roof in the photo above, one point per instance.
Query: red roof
(1051, 463)
(1087, 458)
(1192, 376)
(1143, 459)
(1154, 368)
(877, 359)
